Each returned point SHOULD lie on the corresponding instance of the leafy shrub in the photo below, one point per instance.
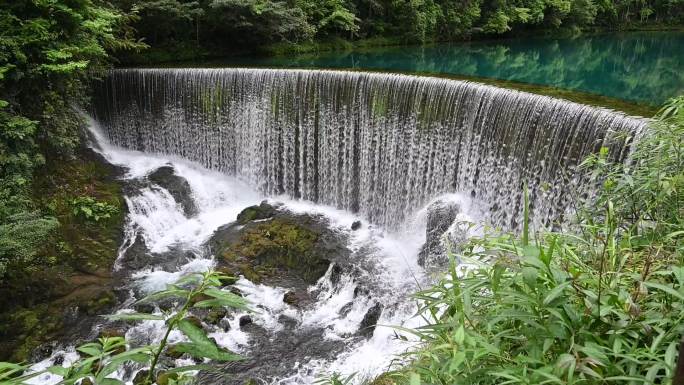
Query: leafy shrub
(600, 303)
(102, 358)
(21, 237)
(91, 209)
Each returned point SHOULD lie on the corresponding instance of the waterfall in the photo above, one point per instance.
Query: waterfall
(381, 145)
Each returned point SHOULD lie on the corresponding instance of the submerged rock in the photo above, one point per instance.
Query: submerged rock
(177, 186)
(356, 225)
(441, 215)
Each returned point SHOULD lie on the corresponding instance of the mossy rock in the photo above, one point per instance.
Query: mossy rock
(278, 244)
(252, 213)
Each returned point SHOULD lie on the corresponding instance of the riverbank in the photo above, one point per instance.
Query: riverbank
(68, 283)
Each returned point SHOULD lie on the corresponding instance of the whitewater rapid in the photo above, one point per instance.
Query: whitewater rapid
(388, 263)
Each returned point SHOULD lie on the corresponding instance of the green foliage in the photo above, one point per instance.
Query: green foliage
(48, 49)
(91, 209)
(102, 358)
(335, 379)
(21, 236)
(602, 304)
(249, 25)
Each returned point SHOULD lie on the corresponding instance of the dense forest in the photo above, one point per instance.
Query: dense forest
(227, 26)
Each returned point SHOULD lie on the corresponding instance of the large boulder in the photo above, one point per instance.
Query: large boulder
(441, 215)
(177, 186)
(268, 242)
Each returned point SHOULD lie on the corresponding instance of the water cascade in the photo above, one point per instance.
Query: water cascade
(381, 145)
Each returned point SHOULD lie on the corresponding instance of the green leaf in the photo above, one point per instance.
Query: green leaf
(134, 317)
(170, 293)
(196, 335)
(556, 292)
(668, 289)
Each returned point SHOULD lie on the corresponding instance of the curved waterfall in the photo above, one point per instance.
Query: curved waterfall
(378, 144)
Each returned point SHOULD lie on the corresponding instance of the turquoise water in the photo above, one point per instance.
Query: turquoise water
(640, 67)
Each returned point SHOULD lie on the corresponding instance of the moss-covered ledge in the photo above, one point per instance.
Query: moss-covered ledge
(70, 279)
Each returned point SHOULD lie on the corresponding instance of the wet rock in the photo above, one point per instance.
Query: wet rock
(177, 186)
(137, 256)
(141, 377)
(441, 215)
(290, 298)
(346, 309)
(356, 225)
(335, 274)
(59, 360)
(283, 246)
(144, 308)
(245, 320)
(253, 213)
(224, 324)
(367, 326)
(360, 291)
(215, 315)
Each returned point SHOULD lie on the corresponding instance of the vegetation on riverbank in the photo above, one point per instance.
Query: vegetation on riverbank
(600, 303)
(180, 30)
(53, 255)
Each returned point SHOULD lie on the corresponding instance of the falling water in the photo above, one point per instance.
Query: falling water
(378, 144)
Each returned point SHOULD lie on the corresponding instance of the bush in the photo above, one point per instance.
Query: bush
(91, 209)
(600, 303)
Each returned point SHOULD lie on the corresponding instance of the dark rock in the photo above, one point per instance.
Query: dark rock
(356, 225)
(360, 291)
(283, 246)
(224, 324)
(245, 320)
(253, 213)
(335, 274)
(290, 298)
(441, 215)
(144, 308)
(177, 186)
(59, 360)
(367, 326)
(346, 309)
(216, 315)
(141, 377)
(42, 352)
(86, 381)
(137, 255)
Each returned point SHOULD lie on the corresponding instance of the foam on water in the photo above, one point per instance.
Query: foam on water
(386, 260)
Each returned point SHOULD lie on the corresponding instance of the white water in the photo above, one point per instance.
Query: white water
(391, 267)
